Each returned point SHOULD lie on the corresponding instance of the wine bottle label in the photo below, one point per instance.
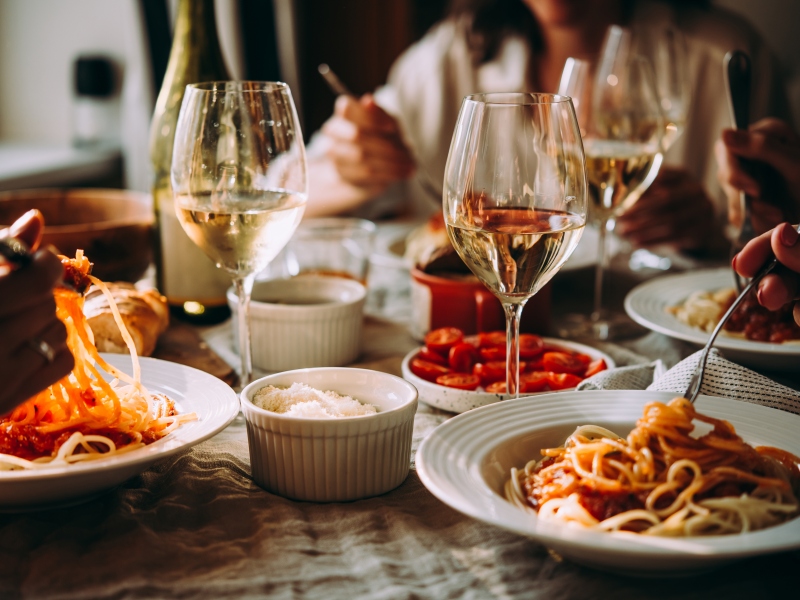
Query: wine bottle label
(187, 273)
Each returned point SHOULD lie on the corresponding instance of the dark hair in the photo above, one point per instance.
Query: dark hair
(488, 22)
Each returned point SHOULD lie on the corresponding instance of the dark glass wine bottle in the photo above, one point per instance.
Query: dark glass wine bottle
(195, 288)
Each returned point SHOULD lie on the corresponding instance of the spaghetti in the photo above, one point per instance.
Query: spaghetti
(84, 417)
(661, 480)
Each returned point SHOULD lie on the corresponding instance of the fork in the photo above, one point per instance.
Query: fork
(737, 78)
(696, 381)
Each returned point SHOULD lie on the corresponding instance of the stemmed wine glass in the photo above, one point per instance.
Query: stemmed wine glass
(239, 179)
(515, 197)
(623, 129)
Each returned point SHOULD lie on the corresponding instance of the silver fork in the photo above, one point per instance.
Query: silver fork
(697, 378)
(737, 78)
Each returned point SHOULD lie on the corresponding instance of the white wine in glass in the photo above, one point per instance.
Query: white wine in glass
(515, 197)
(623, 131)
(239, 178)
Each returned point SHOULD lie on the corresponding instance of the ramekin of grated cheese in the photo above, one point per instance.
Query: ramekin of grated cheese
(329, 434)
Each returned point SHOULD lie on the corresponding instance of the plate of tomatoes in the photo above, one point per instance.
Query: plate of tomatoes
(457, 373)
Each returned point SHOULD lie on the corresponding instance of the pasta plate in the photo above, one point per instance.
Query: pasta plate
(648, 302)
(466, 461)
(214, 402)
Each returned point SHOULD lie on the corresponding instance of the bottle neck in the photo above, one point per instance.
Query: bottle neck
(196, 39)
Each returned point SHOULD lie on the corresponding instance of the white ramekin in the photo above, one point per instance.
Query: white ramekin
(288, 331)
(332, 460)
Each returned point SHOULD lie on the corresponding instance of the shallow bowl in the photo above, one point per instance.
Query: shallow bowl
(112, 227)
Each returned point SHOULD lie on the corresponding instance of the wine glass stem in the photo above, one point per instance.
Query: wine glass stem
(244, 288)
(513, 316)
(600, 270)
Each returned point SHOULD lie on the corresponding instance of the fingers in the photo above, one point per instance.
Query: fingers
(779, 287)
(28, 228)
(39, 380)
(676, 211)
(365, 114)
(31, 284)
(27, 371)
(763, 145)
(22, 326)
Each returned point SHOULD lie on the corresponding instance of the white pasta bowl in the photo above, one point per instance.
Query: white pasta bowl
(487, 442)
(308, 321)
(333, 460)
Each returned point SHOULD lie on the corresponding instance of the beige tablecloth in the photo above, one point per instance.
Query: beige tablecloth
(196, 526)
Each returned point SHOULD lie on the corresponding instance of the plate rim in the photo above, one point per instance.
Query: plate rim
(648, 289)
(582, 540)
(148, 454)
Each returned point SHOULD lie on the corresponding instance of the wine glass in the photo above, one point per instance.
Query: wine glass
(665, 48)
(623, 133)
(239, 179)
(515, 197)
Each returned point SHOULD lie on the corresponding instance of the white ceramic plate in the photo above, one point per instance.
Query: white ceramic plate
(647, 304)
(466, 461)
(459, 401)
(215, 403)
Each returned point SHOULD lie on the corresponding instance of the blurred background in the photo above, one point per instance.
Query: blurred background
(78, 79)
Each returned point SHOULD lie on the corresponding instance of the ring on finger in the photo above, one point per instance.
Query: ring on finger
(43, 348)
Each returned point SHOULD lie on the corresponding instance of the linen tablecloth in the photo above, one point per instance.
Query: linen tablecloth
(196, 526)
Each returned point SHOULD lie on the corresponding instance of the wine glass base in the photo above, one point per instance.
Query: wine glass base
(607, 326)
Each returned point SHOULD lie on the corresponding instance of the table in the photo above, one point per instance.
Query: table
(196, 526)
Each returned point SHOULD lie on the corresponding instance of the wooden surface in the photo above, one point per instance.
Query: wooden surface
(182, 344)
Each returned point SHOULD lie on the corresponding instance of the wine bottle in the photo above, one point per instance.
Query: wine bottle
(195, 288)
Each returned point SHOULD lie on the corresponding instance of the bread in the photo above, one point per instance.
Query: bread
(429, 249)
(144, 312)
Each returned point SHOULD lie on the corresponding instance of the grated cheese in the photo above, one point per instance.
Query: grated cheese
(301, 400)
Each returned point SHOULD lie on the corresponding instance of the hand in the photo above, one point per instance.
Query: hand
(782, 285)
(773, 183)
(28, 314)
(674, 210)
(367, 146)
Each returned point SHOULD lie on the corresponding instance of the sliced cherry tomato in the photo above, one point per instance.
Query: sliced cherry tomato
(426, 353)
(530, 346)
(491, 339)
(462, 356)
(561, 362)
(533, 364)
(442, 339)
(535, 381)
(427, 370)
(493, 353)
(489, 372)
(562, 381)
(595, 367)
(461, 381)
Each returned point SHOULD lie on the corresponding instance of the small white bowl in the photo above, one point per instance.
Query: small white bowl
(307, 321)
(459, 401)
(333, 460)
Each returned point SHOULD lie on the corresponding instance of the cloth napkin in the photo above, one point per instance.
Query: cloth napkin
(722, 378)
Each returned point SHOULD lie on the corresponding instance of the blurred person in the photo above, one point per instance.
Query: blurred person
(383, 152)
(33, 341)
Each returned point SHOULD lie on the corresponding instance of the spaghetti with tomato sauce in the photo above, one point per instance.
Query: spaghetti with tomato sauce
(83, 416)
(661, 480)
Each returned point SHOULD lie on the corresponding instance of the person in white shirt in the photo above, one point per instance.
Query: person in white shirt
(383, 152)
